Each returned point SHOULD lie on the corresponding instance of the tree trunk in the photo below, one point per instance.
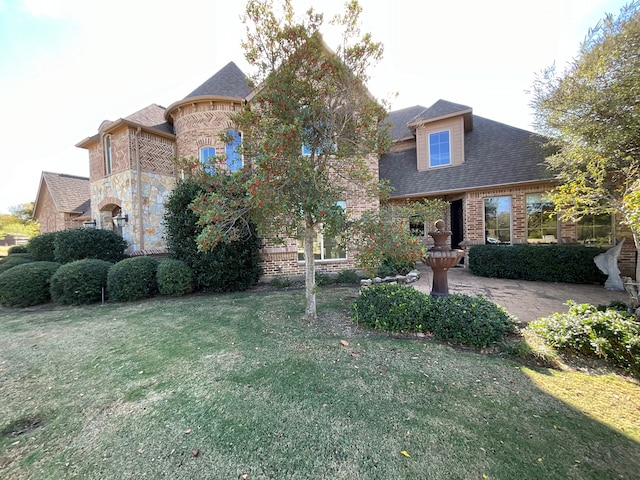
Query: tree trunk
(310, 273)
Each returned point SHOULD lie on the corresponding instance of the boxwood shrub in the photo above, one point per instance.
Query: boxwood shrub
(549, 263)
(27, 284)
(607, 333)
(174, 277)
(17, 249)
(132, 279)
(80, 282)
(469, 320)
(12, 260)
(76, 244)
(41, 247)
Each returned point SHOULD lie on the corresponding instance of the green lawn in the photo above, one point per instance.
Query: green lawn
(132, 390)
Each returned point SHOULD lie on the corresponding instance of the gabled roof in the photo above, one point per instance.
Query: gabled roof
(399, 121)
(69, 193)
(495, 155)
(227, 82)
(150, 118)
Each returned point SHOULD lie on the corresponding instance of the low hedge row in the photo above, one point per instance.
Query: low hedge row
(549, 263)
(459, 318)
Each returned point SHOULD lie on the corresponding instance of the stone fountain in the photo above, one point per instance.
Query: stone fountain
(441, 258)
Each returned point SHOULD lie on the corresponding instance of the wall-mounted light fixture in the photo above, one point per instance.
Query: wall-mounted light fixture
(89, 224)
(121, 219)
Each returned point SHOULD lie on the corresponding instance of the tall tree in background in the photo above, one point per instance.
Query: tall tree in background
(20, 221)
(310, 131)
(592, 113)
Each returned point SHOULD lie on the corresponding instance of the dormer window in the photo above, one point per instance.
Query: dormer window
(108, 158)
(439, 149)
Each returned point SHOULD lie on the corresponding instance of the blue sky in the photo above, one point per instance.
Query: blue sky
(67, 65)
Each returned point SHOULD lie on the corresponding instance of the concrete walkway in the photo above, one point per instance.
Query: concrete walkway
(523, 299)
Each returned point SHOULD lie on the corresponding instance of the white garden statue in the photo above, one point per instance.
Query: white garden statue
(607, 262)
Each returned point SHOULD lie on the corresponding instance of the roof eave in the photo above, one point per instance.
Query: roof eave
(113, 126)
(418, 123)
(198, 99)
(472, 189)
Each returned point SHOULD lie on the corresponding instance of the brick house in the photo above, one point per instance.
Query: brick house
(493, 175)
(62, 202)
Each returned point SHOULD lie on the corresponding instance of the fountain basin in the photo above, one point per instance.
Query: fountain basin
(440, 262)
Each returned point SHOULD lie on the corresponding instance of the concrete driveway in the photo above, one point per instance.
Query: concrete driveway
(523, 299)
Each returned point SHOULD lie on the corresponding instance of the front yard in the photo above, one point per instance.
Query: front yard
(237, 386)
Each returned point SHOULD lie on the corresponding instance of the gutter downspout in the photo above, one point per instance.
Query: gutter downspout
(139, 181)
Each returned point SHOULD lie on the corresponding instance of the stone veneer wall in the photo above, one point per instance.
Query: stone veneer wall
(122, 189)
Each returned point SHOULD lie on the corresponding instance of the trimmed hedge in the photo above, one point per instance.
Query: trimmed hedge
(41, 247)
(607, 333)
(15, 259)
(459, 318)
(77, 244)
(132, 279)
(548, 263)
(26, 285)
(175, 278)
(80, 282)
(17, 249)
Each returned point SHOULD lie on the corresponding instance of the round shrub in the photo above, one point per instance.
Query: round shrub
(18, 249)
(392, 308)
(174, 277)
(41, 247)
(13, 260)
(348, 276)
(80, 282)
(27, 284)
(470, 320)
(132, 279)
(72, 245)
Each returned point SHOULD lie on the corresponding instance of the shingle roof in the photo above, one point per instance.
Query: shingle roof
(495, 154)
(442, 108)
(399, 120)
(228, 82)
(68, 192)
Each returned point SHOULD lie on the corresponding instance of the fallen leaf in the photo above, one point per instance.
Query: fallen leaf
(405, 453)
(188, 431)
(195, 452)
(344, 343)
(243, 476)
(355, 355)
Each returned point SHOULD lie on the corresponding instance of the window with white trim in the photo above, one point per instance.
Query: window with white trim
(108, 156)
(207, 154)
(439, 149)
(234, 158)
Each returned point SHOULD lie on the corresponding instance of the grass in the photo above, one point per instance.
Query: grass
(133, 390)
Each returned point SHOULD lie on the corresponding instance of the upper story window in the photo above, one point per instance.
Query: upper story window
(595, 229)
(497, 220)
(439, 149)
(108, 157)
(542, 221)
(234, 158)
(206, 158)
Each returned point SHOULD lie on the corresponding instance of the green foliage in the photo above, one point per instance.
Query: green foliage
(459, 318)
(587, 111)
(281, 282)
(175, 278)
(18, 249)
(609, 334)
(42, 247)
(20, 221)
(322, 279)
(348, 276)
(76, 244)
(395, 266)
(12, 260)
(548, 263)
(229, 266)
(27, 284)
(132, 279)
(80, 282)
(470, 320)
(393, 308)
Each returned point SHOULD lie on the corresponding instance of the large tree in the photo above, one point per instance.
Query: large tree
(591, 111)
(311, 130)
(20, 221)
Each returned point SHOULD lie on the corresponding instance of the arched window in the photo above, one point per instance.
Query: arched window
(234, 158)
(108, 159)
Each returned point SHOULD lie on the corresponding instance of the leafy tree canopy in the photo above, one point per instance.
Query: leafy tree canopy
(310, 130)
(20, 221)
(591, 111)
